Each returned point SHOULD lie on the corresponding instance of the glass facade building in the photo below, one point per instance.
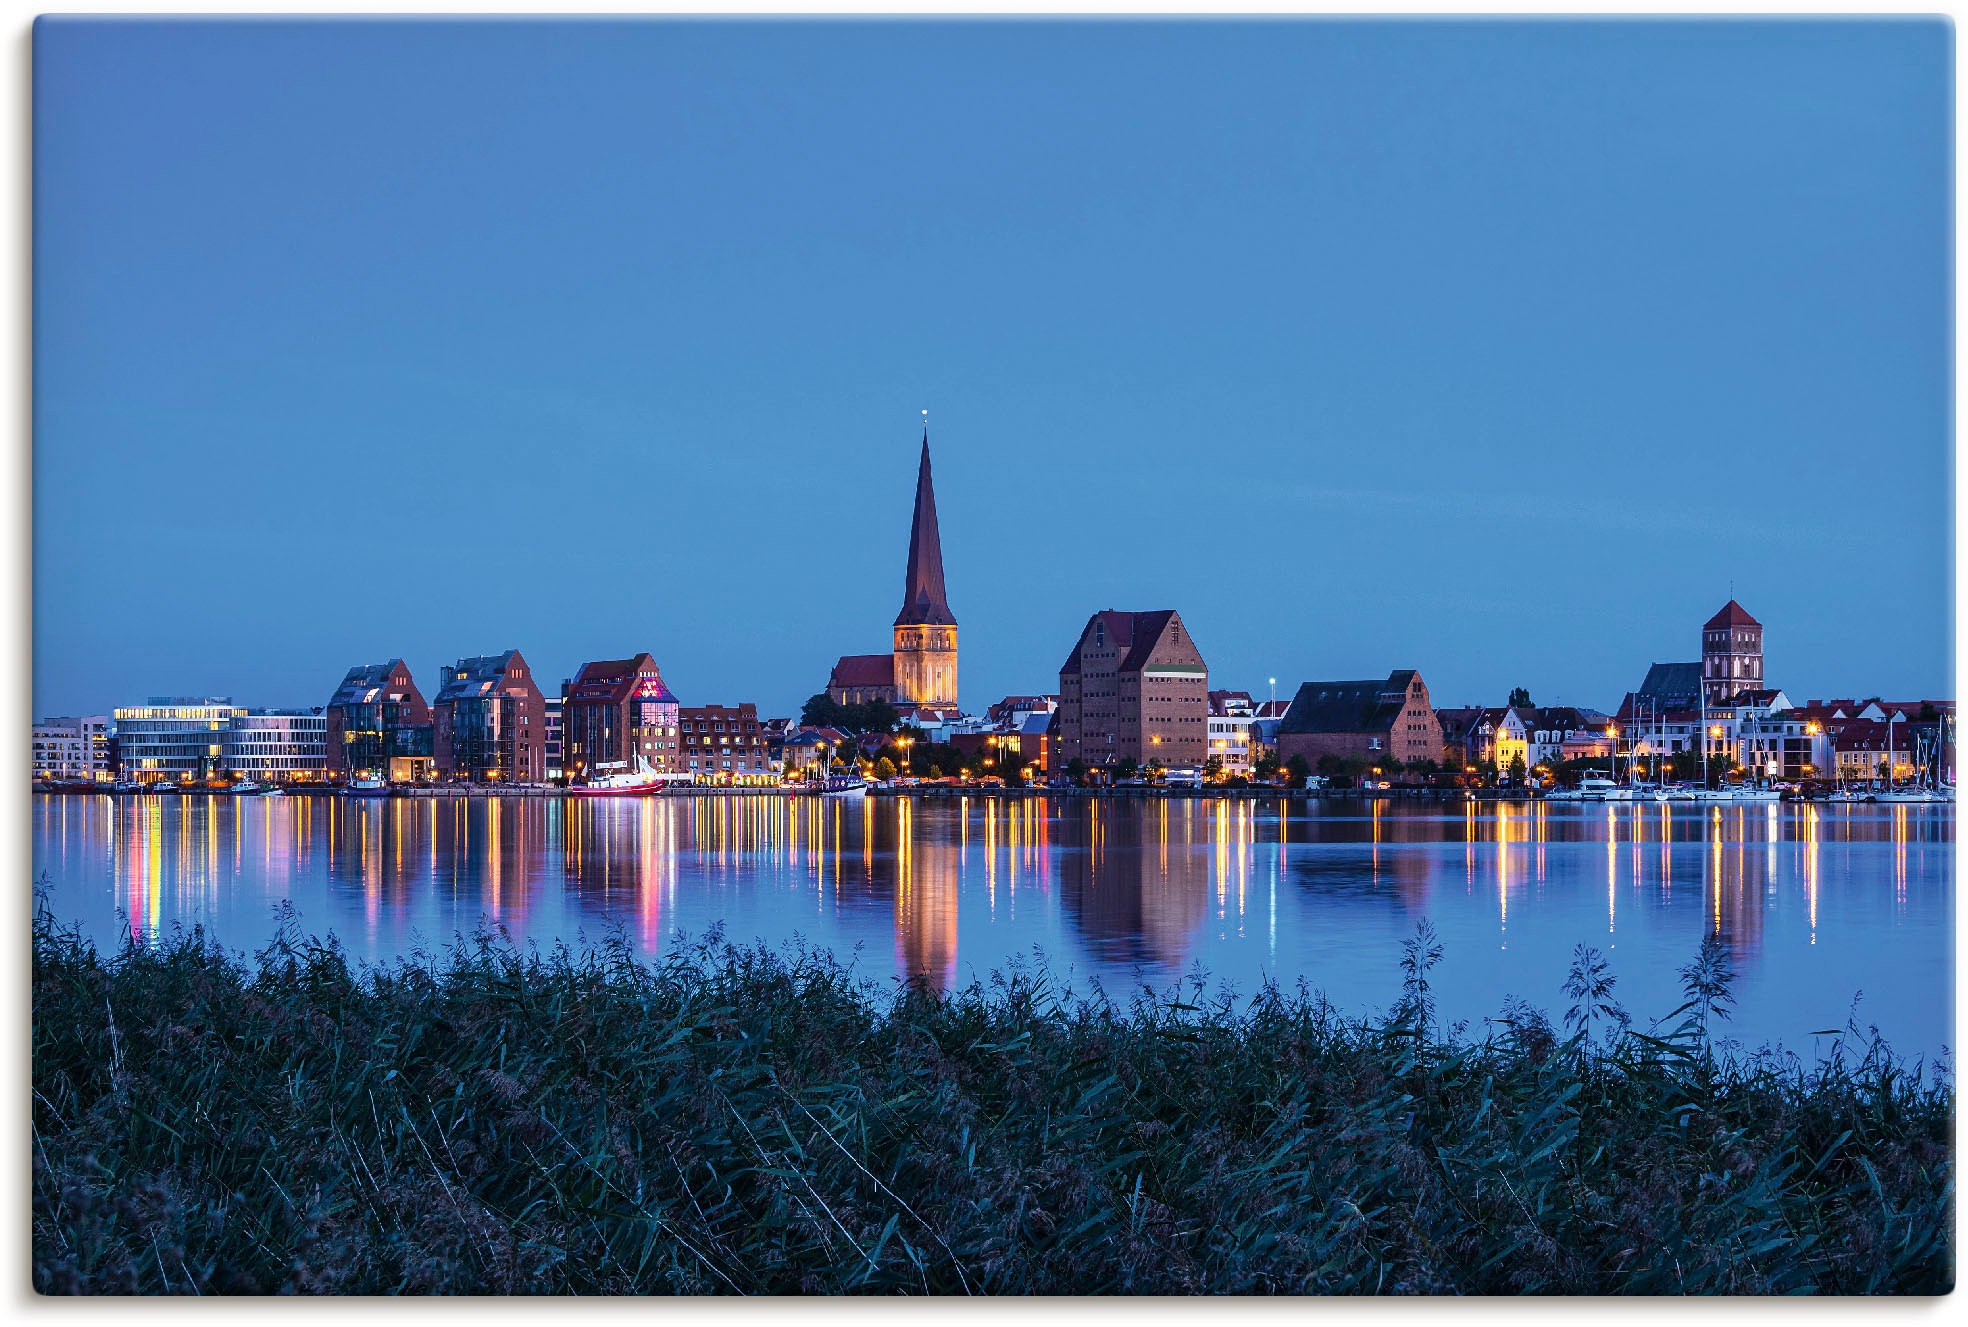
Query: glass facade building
(174, 739)
(278, 746)
(377, 723)
(490, 722)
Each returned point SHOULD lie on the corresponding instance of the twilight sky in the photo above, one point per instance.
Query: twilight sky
(1500, 351)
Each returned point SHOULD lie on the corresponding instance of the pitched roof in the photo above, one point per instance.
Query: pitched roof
(1147, 630)
(1136, 633)
(1564, 716)
(615, 680)
(1668, 682)
(478, 675)
(1733, 614)
(1456, 721)
(364, 678)
(1367, 706)
(854, 671)
(923, 599)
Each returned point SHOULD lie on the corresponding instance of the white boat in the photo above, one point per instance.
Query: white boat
(367, 785)
(843, 785)
(275, 791)
(247, 788)
(1598, 788)
(622, 780)
(1718, 796)
(1905, 795)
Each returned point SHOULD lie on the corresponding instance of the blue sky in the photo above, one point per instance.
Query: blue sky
(1501, 351)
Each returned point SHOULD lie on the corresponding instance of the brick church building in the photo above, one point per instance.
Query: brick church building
(920, 676)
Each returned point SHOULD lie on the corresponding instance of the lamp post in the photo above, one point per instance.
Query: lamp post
(905, 743)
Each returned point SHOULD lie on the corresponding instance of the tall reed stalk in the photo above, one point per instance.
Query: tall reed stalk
(735, 1121)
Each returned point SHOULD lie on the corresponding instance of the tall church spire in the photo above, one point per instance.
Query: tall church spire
(923, 601)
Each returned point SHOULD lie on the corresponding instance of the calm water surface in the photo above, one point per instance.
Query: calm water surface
(1815, 903)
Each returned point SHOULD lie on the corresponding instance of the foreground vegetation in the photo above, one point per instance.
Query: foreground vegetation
(732, 1121)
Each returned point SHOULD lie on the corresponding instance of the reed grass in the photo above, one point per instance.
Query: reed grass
(729, 1120)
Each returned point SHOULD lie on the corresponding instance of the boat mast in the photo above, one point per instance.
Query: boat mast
(1704, 733)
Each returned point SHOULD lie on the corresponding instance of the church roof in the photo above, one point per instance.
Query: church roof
(854, 671)
(923, 599)
(1733, 614)
(1672, 684)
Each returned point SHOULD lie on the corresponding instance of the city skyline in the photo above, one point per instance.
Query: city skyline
(1506, 352)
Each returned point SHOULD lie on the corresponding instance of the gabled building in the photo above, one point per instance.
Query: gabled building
(1366, 719)
(490, 721)
(613, 711)
(1566, 732)
(1501, 735)
(377, 722)
(1732, 653)
(1134, 687)
(1458, 724)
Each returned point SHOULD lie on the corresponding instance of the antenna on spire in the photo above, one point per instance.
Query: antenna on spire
(925, 415)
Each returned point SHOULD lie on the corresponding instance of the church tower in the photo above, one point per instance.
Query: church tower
(925, 629)
(1732, 654)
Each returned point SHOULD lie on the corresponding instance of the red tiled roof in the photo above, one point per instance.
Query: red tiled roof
(1733, 614)
(863, 670)
(615, 680)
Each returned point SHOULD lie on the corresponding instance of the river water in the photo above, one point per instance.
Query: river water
(1816, 904)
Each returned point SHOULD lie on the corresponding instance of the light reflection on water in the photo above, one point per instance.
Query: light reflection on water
(1815, 903)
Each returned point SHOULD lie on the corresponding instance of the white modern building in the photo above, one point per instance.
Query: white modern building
(277, 746)
(72, 750)
(556, 710)
(179, 739)
(1230, 742)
